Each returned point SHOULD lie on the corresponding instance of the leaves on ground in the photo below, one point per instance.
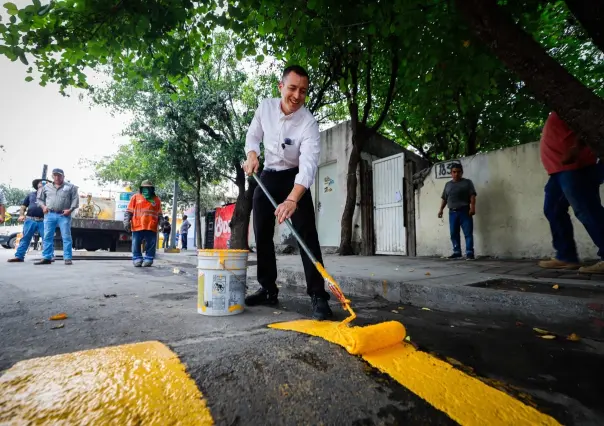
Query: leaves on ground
(394, 311)
(426, 309)
(58, 317)
(573, 337)
(56, 327)
(556, 287)
(428, 274)
(540, 330)
(548, 337)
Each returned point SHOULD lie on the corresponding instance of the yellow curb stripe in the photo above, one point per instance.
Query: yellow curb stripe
(465, 399)
(141, 383)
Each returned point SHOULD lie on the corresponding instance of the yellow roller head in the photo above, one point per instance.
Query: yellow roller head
(356, 340)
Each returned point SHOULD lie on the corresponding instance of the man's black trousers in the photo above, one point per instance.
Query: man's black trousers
(279, 185)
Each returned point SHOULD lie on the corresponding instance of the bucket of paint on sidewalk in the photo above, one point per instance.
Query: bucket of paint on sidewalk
(221, 276)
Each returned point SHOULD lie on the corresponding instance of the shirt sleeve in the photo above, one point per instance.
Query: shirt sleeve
(41, 197)
(25, 201)
(310, 148)
(75, 199)
(472, 189)
(131, 204)
(255, 133)
(445, 194)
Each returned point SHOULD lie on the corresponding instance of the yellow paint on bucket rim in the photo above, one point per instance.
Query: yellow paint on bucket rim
(464, 398)
(235, 308)
(140, 383)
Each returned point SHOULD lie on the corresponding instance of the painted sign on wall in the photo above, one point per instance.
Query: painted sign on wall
(222, 226)
(443, 170)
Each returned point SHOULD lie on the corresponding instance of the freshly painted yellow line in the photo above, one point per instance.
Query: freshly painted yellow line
(142, 383)
(465, 399)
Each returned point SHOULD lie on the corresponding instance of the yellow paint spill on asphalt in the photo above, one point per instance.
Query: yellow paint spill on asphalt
(464, 398)
(141, 383)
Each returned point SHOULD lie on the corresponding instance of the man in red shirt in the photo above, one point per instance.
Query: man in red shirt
(574, 181)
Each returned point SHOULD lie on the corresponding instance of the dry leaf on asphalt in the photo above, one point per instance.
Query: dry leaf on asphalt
(573, 337)
(540, 330)
(401, 308)
(277, 313)
(428, 274)
(56, 327)
(408, 339)
(394, 311)
(548, 337)
(58, 317)
(411, 270)
(426, 309)
(556, 287)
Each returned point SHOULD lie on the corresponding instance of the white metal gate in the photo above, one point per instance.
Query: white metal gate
(388, 218)
(328, 206)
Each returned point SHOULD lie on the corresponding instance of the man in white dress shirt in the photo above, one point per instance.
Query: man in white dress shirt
(292, 142)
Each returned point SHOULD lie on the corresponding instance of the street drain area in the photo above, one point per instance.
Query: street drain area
(570, 290)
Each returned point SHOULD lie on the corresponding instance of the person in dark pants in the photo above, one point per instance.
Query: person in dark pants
(184, 231)
(34, 221)
(142, 219)
(292, 145)
(459, 196)
(574, 181)
(166, 229)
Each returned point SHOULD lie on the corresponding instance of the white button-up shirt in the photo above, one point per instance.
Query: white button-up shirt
(289, 140)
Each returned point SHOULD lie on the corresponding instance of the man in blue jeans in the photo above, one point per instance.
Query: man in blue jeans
(574, 181)
(58, 201)
(34, 221)
(460, 196)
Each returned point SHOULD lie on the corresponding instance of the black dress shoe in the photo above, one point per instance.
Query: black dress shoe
(262, 297)
(43, 262)
(320, 308)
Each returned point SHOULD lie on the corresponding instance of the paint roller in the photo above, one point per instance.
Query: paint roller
(331, 283)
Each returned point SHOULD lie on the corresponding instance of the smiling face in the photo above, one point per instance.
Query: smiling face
(293, 88)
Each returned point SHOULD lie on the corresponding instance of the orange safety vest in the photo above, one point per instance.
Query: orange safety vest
(145, 214)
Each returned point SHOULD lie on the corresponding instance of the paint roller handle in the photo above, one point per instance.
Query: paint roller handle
(287, 221)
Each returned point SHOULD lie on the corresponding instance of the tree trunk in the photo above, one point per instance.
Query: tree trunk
(590, 13)
(198, 239)
(359, 135)
(240, 222)
(577, 105)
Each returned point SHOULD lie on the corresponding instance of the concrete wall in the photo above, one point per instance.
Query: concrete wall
(509, 219)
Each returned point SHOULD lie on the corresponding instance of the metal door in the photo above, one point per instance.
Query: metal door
(329, 208)
(388, 201)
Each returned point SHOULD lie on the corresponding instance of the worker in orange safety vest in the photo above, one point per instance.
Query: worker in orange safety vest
(142, 218)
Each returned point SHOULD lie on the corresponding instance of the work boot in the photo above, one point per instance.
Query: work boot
(137, 263)
(43, 262)
(558, 264)
(262, 297)
(15, 260)
(320, 308)
(455, 256)
(598, 268)
(147, 263)
(68, 262)
(470, 257)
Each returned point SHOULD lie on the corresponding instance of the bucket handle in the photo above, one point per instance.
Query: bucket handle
(222, 263)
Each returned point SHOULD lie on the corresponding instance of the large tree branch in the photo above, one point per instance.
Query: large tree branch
(551, 83)
(390, 95)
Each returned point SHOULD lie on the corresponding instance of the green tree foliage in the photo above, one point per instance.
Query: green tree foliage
(14, 196)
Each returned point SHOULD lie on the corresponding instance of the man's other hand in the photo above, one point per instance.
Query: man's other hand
(252, 164)
(45, 209)
(440, 214)
(21, 219)
(67, 212)
(285, 210)
(472, 211)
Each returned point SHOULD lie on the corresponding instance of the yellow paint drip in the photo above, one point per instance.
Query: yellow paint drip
(464, 398)
(142, 383)
(235, 308)
(337, 291)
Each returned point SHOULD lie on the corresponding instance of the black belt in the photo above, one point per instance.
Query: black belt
(35, 219)
(460, 209)
(56, 211)
(294, 170)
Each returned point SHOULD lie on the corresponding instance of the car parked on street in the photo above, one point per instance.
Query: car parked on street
(8, 236)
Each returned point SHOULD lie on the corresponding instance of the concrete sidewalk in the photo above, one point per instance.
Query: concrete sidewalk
(514, 288)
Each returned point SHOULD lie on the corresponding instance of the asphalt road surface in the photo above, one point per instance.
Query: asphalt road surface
(250, 374)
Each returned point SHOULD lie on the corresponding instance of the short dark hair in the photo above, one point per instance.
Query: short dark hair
(457, 166)
(184, 217)
(295, 69)
(167, 218)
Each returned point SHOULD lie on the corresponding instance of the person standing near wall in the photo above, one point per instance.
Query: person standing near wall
(2, 206)
(184, 231)
(574, 181)
(142, 218)
(292, 145)
(459, 196)
(58, 201)
(34, 221)
(165, 230)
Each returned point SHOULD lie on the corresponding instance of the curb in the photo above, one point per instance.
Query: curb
(460, 298)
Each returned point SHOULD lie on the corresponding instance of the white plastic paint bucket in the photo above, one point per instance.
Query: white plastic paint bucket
(221, 276)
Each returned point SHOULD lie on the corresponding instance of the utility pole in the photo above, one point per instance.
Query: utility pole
(174, 204)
